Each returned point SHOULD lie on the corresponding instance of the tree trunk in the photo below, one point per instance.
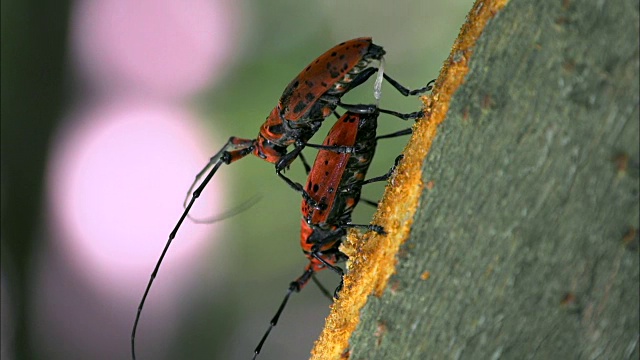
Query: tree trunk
(523, 243)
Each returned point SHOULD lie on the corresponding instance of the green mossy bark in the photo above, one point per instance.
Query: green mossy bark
(526, 231)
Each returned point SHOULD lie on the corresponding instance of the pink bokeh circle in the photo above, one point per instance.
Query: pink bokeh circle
(116, 183)
(159, 47)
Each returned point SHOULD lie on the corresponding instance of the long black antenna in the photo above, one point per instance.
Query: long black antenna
(172, 235)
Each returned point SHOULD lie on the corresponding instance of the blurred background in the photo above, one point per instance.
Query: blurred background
(110, 108)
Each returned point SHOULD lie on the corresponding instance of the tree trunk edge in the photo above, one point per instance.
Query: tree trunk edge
(525, 242)
(400, 200)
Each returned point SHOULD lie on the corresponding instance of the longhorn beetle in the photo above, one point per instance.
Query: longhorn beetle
(311, 96)
(336, 180)
(304, 104)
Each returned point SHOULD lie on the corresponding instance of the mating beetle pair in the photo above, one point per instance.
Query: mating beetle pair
(335, 180)
(311, 97)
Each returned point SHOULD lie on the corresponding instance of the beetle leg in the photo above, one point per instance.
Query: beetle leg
(323, 290)
(305, 195)
(307, 168)
(395, 134)
(233, 150)
(370, 109)
(339, 271)
(406, 92)
(335, 148)
(386, 176)
(377, 228)
(365, 74)
(296, 286)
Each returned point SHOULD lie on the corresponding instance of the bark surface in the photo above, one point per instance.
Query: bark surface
(524, 244)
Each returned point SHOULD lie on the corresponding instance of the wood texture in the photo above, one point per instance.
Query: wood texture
(524, 243)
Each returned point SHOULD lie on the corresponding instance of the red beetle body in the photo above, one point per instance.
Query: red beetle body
(330, 74)
(335, 180)
(308, 99)
(312, 96)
